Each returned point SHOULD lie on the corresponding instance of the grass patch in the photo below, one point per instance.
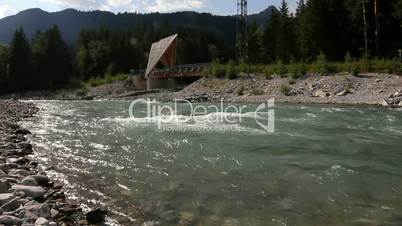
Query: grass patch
(97, 81)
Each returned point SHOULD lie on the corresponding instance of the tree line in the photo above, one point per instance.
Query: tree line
(46, 62)
(335, 28)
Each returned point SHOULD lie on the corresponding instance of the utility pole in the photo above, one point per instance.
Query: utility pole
(242, 31)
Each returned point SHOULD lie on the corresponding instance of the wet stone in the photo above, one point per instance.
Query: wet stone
(11, 205)
(96, 216)
(4, 186)
(41, 221)
(35, 192)
(8, 220)
(5, 198)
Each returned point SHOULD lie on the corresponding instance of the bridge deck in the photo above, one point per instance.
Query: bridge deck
(179, 71)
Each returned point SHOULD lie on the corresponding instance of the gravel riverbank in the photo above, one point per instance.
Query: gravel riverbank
(27, 195)
(366, 89)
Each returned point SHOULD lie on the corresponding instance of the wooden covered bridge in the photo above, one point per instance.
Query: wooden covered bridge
(162, 71)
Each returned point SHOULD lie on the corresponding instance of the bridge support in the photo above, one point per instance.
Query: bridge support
(157, 83)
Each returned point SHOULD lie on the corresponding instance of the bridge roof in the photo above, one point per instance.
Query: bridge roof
(162, 51)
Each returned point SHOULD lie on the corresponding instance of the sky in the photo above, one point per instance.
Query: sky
(219, 7)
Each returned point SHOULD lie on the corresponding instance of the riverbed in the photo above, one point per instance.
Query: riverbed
(322, 165)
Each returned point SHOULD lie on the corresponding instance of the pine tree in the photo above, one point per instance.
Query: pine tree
(21, 76)
(4, 55)
(285, 34)
(52, 58)
(269, 47)
(254, 43)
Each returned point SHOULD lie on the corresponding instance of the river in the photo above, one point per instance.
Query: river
(323, 165)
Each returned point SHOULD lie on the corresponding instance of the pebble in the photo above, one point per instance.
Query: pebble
(20, 176)
(41, 221)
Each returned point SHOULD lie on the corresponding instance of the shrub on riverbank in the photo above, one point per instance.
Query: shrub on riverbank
(296, 69)
(92, 82)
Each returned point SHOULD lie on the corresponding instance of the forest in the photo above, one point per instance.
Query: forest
(326, 30)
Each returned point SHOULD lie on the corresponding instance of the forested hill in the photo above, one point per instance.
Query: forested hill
(71, 22)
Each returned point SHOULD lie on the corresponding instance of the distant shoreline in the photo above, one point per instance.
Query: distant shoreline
(365, 89)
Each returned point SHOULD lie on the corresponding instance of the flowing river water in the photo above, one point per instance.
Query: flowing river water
(323, 165)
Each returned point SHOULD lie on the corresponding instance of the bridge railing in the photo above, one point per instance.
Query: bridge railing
(183, 70)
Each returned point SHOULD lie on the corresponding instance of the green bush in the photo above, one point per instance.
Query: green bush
(231, 71)
(269, 70)
(243, 66)
(280, 68)
(321, 65)
(297, 70)
(347, 66)
(97, 81)
(365, 64)
(393, 66)
(218, 71)
(355, 69)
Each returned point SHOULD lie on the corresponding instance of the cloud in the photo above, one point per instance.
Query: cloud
(129, 5)
(78, 4)
(6, 10)
(118, 3)
(173, 5)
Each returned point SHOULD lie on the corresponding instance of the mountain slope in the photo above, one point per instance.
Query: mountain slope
(71, 22)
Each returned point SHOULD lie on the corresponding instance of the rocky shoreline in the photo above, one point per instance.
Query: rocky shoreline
(27, 195)
(365, 89)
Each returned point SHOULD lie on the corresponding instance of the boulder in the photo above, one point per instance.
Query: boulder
(40, 179)
(41, 221)
(384, 103)
(29, 181)
(34, 192)
(5, 198)
(8, 220)
(398, 93)
(42, 210)
(53, 213)
(4, 186)
(22, 131)
(29, 216)
(3, 167)
(19, 161)
(321, 94)
(342, 93)
(11, 205)
(96, 216)
(24, 146)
